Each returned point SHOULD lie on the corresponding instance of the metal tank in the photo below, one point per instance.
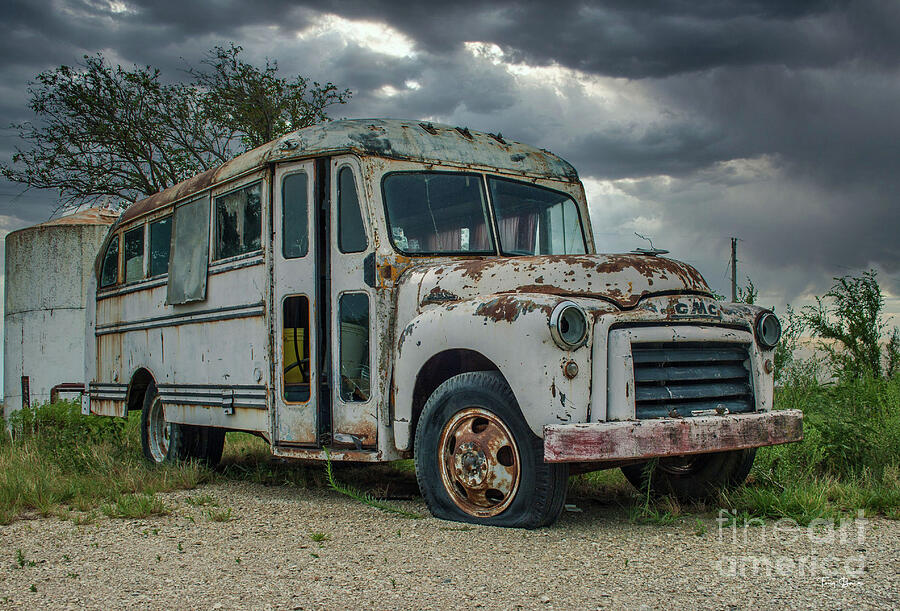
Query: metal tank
(47, 271)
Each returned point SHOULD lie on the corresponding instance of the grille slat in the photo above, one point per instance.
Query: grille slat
(690, 377)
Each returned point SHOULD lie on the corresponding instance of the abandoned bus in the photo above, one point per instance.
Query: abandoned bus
(384, 289)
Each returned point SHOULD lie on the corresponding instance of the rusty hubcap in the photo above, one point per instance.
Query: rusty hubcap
(158, 431)
(479, 462)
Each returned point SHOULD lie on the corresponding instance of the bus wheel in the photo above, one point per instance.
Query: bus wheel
(693, 477)
(161, 441)
(477, 461)
(207, 443)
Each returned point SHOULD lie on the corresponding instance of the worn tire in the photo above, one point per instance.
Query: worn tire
(161, 441)
(470, 400)
(206, 444)
(694, 477)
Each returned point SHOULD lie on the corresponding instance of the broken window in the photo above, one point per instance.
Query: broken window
(134, 254)
(351, 231)
(239, 222)
(533, 220)
(109, 271)
(354, 340)
(160, 242)
(295, 349)
(295, 216)
(437, 212)
(190, 253)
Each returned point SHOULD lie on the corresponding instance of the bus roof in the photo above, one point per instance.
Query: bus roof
(392, 138)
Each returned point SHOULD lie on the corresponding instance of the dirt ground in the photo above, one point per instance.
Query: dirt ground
(293, 548)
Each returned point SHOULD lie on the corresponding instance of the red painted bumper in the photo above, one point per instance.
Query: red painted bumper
(602, 441)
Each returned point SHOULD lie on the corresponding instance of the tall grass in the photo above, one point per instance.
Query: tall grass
(52, 458)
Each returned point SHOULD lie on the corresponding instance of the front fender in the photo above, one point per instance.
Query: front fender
(513, 332)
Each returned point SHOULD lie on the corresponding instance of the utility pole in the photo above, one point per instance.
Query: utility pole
(733, 269)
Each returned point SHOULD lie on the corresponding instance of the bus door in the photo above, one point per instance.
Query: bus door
(353, 321)
(294, 307)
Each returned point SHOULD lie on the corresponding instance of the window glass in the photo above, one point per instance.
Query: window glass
(437, 212)
(134, 254)
(109, 272)
(295, 216)
(535, 221)
(160, 242)
(354, 339)
(239, 222)
(295, 349)
(190, 253)
(351, 231)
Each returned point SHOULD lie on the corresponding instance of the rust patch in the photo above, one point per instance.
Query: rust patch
(507, 308)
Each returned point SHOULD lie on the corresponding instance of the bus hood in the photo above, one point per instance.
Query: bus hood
(620, 279)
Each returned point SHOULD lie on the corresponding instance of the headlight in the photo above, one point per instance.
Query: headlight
(568, 325)
(768, 330)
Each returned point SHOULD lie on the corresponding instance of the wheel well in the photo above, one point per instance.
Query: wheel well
(440, 368)
(136, 389)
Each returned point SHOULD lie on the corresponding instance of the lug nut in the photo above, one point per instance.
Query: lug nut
(570, 369)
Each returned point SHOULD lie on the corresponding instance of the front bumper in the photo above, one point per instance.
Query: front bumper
(642, 439)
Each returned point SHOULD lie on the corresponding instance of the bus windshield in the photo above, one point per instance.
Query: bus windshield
(447, 213)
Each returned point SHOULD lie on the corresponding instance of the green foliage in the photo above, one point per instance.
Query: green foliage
(104, 130)
(58, 458)
(362, 497)
(131, 506)
(850, 320)
(257, 103)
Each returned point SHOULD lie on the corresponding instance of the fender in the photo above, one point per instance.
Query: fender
(513, 332)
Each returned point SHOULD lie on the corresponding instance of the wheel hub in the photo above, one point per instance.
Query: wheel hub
(479, 462)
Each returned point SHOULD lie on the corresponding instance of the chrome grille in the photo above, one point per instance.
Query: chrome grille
(688, 379)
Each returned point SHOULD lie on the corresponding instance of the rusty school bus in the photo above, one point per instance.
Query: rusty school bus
(383, 289)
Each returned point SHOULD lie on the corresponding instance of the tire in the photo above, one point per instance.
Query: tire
(478, 462)
(163, 441)
(694, 477)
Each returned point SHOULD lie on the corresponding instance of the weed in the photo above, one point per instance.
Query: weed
(219, 515)
(33, 588)
(204, 500)
(318, 537)
(158, 558)
(180, 548)
(20, 558)
(237, 560)
(699, 527)
(131, 506)
(314, 555)
(362, 497)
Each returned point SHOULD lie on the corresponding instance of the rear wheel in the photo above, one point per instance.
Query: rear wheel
(692, 477)
(477, 461)
(164, 441)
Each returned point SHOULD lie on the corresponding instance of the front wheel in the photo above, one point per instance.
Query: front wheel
(693, 477)
(477, 461)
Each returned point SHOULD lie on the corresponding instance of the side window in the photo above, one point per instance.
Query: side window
(295, 216)
(239, 222)
(134, 254)
(351, 231)
(160, 242)
(295, 349)
(354, 340)
(190, 253)
(109, 272)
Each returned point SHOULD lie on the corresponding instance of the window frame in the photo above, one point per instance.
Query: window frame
(170, 216)
(490, 220)
(117, 238)
(359, 205)
(339, 351)
(214, 221)
(143, 229)
(496, 218)
(284, 208)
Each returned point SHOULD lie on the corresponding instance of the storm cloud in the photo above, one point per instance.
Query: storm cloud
(775, 122)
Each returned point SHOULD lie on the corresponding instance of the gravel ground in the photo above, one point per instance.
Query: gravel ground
(265, 557)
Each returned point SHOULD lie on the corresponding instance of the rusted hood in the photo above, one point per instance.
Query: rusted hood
(622, 279)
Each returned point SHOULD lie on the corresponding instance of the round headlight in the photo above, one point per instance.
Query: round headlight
(768, 330)
(568, 325)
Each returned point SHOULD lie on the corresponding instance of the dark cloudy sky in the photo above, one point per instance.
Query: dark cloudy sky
(690, 121)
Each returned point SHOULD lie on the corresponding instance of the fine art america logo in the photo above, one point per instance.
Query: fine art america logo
(832, 554)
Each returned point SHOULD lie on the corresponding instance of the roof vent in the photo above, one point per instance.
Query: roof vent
(428, 127)
(498, 137)
(464, 131)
